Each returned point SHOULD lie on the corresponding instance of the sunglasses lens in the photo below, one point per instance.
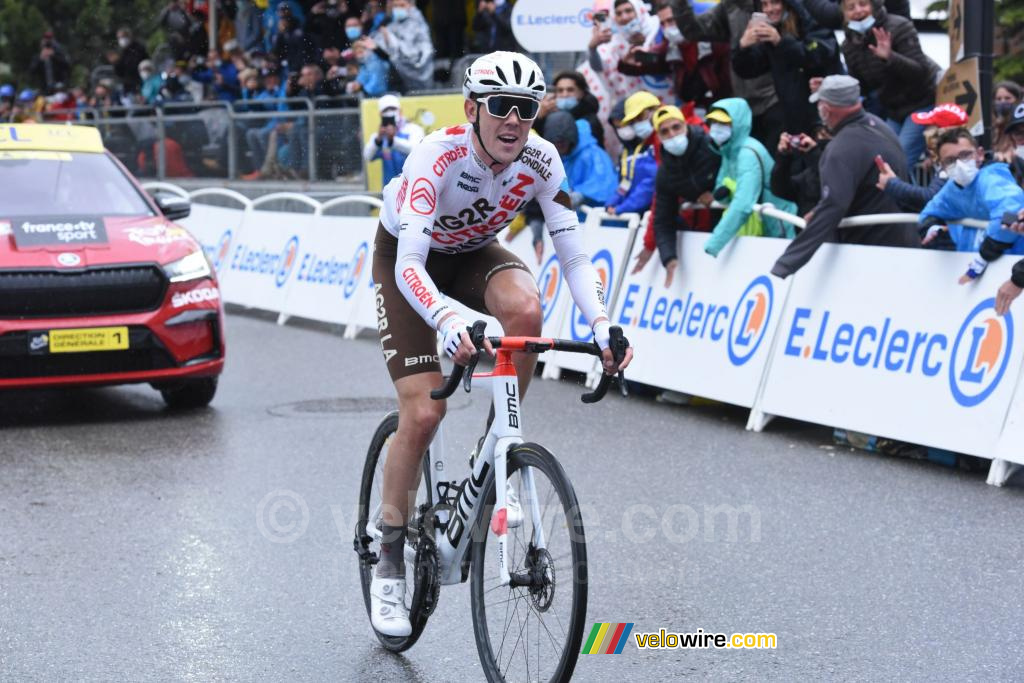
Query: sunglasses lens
(502, 105)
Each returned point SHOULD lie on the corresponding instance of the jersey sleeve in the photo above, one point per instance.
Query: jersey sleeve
(416, 203)
(566, 233)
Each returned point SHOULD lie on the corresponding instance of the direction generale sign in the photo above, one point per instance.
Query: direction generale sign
(961, 86)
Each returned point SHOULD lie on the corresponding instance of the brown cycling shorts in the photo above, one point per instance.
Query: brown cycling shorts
(408, 342)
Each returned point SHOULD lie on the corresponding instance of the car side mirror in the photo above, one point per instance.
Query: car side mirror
(173, 207)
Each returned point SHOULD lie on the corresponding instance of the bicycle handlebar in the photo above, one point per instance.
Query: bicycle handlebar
(617, 343)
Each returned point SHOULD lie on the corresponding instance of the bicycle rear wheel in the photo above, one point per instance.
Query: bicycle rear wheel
(532, 633)
(418, 593)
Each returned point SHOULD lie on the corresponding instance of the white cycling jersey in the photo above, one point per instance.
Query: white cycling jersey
(448, 200)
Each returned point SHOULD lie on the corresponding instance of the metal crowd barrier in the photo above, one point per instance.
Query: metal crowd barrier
(325, 134)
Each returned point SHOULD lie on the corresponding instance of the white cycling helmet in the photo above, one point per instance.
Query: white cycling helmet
(508, 73)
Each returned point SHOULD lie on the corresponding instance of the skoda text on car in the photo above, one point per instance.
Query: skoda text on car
(97, 285)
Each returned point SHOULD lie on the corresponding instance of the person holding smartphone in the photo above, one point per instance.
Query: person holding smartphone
(784, 41)
(394, 140)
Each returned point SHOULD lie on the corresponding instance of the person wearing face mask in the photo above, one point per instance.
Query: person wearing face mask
(571, 94)
(700, 72)
(849, 177)
(977, 188)
(883, 52)
(743, 178)
(1006, 97)
(132, 53)
(408, 45)
(788, 44)
(151, 81)
(1014, 134)
(637, 168)
(689, 166)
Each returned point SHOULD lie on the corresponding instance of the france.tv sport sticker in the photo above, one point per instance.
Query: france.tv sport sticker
(34, 232)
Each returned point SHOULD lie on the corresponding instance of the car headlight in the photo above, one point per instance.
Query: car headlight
(192, 267)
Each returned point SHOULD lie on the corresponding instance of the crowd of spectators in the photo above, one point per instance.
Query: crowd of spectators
(696, 111)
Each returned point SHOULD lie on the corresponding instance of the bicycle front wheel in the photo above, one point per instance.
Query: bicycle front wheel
(532, 632)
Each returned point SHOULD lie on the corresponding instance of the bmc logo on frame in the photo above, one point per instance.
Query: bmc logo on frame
(975, 362)
(741, 328)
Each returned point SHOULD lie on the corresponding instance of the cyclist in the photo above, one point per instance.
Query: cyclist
(437, 236)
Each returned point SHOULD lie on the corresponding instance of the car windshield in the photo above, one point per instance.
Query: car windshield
(66, 184)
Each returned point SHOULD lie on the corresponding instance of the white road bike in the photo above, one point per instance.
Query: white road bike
(528, 581)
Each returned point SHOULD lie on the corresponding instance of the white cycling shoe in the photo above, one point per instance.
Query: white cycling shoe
(388, 613)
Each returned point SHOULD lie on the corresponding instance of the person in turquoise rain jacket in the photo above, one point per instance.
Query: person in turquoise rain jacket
(588, 168)
(976, 189)
(743, 178)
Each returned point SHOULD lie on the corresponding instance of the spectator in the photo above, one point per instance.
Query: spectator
(914, 197)
(979, 189)
(326, 24)
(637, 168)
(588, 168)
(132, 54)
(796, 174)
(394, 139)
(407, 42)
(639, 114)
(353, 30)
(293, 48)
(492, 27)
(849, 173)
(687, 174)
(793, 49)
(611, 40)
(1005, 100)
(220, 77)
(743, 178)
(6, 101)
(262, 141)
(699, 71)
(247, 25)
(1014, 132)
(310, 85)
(373, 16)
(49, 67)
(150, 81)
(882, 51)
(726, 22)
(571, 94)
(372, 77)
(1012, 288)
(829, 13)
(177, 25)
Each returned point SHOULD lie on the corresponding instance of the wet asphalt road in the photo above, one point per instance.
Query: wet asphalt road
(137, 544)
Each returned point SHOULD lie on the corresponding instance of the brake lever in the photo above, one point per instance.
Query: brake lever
(476, 335)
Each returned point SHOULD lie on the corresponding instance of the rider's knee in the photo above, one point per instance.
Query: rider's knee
(525, 316)
(423, 417)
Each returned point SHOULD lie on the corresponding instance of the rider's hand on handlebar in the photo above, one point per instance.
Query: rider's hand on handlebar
(457, 342)
(608, 362)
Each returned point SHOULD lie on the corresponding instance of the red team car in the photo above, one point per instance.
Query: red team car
(97, 284)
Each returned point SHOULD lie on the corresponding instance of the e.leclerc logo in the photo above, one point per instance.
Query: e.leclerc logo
(261, 262)
(742, 327)
(288, 258)
(980, 354)
(975, 362)
(330, 271)
(584, 18)
(222, 249)
(549, 282)
(578, 328)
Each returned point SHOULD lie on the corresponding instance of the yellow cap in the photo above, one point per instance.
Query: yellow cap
(669, 111)
(637, 103)
(719, 115)
(40, 136)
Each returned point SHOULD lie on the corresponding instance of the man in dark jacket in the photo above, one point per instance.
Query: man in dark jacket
(689, 166)
(49, 67)
(132, 54)
(848, 178)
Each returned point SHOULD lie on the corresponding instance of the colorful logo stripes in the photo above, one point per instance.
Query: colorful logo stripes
(607, 638)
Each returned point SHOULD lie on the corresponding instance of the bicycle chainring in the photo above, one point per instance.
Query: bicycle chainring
(428, 578)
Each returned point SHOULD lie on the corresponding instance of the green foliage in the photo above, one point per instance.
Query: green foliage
(85, 28)
(1010, 16)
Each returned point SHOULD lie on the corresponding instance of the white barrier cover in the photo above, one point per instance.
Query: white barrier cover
(708, 334)
(607, 246)
(332, 271)
(263, 259)
(885, 341)
(214, 227)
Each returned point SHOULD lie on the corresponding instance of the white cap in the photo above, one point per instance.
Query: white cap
(388, 102)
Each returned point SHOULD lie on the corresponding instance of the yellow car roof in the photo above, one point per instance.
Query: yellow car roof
(41, 136)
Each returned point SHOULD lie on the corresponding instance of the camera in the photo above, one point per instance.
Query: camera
(388, 121)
